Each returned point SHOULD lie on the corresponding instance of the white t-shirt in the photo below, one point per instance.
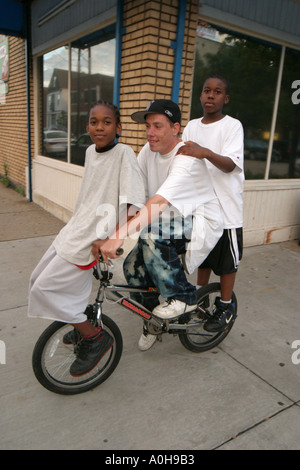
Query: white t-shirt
(186, 184)
(111, 180)
(224, 137)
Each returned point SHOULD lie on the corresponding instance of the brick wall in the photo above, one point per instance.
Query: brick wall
(13, 117)
(148, 60)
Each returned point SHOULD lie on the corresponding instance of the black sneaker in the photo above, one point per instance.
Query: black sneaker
(72, 337)
(90, 351)
(223, 316)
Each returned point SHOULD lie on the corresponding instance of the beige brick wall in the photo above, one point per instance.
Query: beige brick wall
(13, 117)
(148, 60)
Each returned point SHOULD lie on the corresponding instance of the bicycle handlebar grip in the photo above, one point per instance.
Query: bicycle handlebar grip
(119, 251)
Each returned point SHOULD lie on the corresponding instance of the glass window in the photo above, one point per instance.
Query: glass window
(287, 133)
(252, 68)
(55, 109)
(91, 79)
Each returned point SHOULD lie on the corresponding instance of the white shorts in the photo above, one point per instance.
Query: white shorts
(59, 290)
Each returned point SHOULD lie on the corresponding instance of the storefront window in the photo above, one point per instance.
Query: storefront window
(252, 68)
(287, 134)
(91, 78)
(55, 104)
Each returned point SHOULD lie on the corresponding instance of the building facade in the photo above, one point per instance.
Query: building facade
(131, 52)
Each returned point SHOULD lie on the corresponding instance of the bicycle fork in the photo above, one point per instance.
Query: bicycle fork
(98, 307)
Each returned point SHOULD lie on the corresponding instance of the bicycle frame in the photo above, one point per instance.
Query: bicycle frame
(114, 291)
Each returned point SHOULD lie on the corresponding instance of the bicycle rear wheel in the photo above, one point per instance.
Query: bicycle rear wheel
(51, 360)
(197, 339)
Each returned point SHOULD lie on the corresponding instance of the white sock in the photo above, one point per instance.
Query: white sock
(226, 301)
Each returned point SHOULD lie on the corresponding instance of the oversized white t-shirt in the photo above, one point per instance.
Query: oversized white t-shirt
(185, 182)
(111, 180)
(224, 137)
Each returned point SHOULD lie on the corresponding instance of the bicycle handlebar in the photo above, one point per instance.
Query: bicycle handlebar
(119, 252)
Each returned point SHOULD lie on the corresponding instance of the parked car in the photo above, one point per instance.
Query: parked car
(256, 149)
(78, 149)
(55, 143)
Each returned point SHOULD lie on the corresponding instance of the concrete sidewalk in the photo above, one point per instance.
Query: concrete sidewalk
(245, 394)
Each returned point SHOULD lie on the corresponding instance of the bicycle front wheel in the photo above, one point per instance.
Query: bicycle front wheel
(51, 360)
(197, 339)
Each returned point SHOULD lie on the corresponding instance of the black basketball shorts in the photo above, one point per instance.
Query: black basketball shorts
(227, 254)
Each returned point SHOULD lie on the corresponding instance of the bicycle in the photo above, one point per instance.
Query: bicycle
(51, 358)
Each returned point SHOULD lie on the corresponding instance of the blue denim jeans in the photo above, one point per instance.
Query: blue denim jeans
(155, 262)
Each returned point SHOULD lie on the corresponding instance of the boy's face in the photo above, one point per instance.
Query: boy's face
(102, 126)
(213, 97)
(161, 134)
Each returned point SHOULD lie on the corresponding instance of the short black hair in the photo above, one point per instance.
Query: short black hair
(222, 78)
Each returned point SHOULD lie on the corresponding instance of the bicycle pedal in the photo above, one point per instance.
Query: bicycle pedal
(205, 302)
(201, 309)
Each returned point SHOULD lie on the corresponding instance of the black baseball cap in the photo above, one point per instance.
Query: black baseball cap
(167, 107)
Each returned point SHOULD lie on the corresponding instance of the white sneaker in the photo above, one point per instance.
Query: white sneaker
(172, 308)
(146, 341)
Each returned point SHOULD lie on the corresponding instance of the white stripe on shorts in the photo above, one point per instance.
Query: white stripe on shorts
(234, 248)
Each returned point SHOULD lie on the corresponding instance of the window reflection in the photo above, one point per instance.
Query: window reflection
(252, 69)
(55, 93)
(92, 79)
(287, 135)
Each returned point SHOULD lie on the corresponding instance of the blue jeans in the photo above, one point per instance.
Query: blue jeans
(154, 262)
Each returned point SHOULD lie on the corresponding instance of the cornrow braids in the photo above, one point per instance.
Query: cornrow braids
(109, 105)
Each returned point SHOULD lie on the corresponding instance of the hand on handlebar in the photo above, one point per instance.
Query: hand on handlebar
(111, 249)
(96, 248)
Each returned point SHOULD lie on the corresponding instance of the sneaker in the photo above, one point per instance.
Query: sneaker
(146, 340)
(90, 351)
(172, 308)
(223, 316)
(72, 337)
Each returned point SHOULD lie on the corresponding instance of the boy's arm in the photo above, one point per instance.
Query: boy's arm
(194, 150)
(97, 244)
(151, 211)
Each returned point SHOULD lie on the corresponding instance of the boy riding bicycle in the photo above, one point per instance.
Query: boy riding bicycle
(61, 283)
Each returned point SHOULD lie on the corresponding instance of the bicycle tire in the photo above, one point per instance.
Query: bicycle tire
(51, 360)
(200, 340)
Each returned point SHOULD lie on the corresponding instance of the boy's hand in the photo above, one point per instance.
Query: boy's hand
(109, 249)
(96, 247)
(192, 149)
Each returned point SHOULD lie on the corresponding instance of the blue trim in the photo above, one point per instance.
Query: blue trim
(27, 59)
(13, 18)
(119, 32)
(95, 38)
(28, 121)
(179, 48)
